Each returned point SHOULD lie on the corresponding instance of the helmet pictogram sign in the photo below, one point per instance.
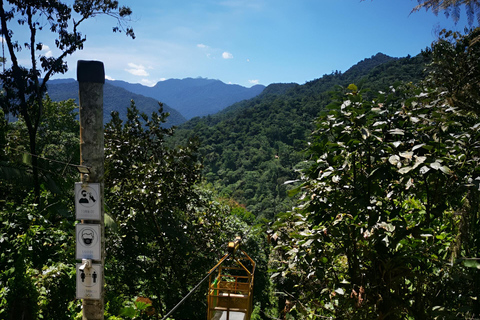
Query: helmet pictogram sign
(87, 201)
(88, 241)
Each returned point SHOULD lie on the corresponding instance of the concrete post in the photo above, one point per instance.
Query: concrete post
(91, 77)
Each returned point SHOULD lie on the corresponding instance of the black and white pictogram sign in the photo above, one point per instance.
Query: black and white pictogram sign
(87, 201)
(88, 241)
(88, 282)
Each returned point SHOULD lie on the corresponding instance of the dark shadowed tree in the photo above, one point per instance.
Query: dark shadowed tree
(25, 85)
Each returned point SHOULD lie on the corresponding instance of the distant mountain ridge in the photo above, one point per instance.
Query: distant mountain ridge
(369, 70)
(182, 98)
(188, 98)
(253, 147)
(114, 99)
(194, 97)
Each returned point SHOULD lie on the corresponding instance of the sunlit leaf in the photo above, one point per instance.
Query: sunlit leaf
(365, 133)
(128, 312)
(379, 123)
(418, 146)
(308, 243)
(394, 159)
(424, 169)
(407, 154)
(470, 263)
(445, 170)
(435, 165)
(396, 144)
(419, 161)
(336, 179)
(397, 131)
(386, 226)
(404, 170)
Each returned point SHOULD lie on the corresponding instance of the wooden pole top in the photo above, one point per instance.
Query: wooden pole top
(90, 71)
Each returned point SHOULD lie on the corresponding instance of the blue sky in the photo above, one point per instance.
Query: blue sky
(251, 42)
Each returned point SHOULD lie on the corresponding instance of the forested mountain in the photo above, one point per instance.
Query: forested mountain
(182, 98)
(386, 224)
(194, 97)
(253, 147)
(114, 99)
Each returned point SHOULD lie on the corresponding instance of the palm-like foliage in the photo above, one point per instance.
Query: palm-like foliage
(452, 8)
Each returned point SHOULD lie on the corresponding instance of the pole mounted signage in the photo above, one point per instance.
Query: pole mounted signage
(90, 240)
(88, 280)
(87, 201)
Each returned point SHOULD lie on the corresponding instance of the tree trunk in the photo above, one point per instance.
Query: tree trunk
(36, 179)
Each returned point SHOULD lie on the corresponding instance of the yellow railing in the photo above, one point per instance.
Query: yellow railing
(231, 290)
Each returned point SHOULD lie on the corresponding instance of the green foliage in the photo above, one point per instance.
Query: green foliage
(55, 284)
(37, 275)
(452, 8)
(385, 204)
(139, 308)
(169, 230)
(387, 227)
(456, 71)
(146, 183)
(58, 146)
(253, 148)
(36, 237)
(24, 82)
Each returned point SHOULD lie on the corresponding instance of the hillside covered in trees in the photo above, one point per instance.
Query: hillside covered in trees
(252, 148)
(357, 194)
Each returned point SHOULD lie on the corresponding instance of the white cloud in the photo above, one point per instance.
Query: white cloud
(206, 49)
(109, 78)
(227, 55)
(170, 60)
(137, 70)
(254, 81)
(46, 51)
(212, 53)
(148, 82)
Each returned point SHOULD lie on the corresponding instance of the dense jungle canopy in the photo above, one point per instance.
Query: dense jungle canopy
(358, 193)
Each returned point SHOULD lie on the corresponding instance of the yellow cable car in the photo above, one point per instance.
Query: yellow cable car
(230, 292)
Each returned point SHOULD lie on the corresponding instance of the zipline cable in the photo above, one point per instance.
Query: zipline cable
(67, 164)
(196, 287)
(203, 280)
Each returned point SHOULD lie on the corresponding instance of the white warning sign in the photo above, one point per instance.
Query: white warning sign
(87, 201)
(88, 282)
(88, 241)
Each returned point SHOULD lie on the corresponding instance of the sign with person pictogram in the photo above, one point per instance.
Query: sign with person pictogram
(89, 281)
(87, 201)
(88, 241)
